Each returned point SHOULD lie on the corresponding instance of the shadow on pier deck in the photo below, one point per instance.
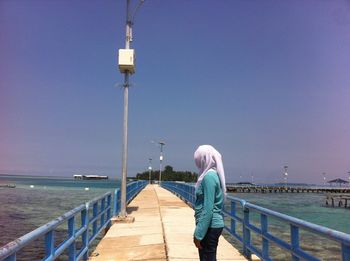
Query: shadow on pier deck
(162, 230)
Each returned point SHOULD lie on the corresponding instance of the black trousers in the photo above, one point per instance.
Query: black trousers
(210, 244)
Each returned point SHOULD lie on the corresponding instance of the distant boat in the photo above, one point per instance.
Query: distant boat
(7, 186)
(89, 177)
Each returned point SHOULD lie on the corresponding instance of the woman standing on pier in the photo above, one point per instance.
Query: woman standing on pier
(210, 194)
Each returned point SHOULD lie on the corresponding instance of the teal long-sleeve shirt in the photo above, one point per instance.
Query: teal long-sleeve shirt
(208, 205)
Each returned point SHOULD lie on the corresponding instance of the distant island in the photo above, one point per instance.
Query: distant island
(169, 174)
(89, 177)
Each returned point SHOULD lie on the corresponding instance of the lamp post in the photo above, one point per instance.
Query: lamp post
(285, 175)
(127, 70)
(149, 170)
(324, 178)
(161, 143)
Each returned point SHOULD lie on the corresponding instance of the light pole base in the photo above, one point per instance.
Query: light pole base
(120, 219)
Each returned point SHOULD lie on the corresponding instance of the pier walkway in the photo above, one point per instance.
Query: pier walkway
(162, 230)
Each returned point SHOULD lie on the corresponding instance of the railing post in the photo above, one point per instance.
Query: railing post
(94, 215)
(109, 207)
(345, 252)
(188, 192)
(294, 239)
(132, 188)
(246, 234)
(127, 192)
(49, 244)
(71, 233)
(265, 242)
(233, 221)
(118, 200)
(85, 235)
(115, 205)
(103, 207)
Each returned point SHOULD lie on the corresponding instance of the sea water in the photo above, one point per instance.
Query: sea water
(306, 206)
(37, 200)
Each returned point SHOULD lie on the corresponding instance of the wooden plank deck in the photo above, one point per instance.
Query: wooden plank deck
(162, 230)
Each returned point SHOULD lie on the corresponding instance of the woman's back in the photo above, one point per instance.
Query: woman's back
(208, 205)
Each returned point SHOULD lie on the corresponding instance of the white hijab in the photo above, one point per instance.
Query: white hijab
(207, 158)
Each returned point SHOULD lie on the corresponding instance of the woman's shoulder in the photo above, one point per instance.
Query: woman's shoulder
(212, 175)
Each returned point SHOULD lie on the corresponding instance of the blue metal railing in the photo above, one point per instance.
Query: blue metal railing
(132, 189)
(95, 216)
(187, 193)
(182, 190)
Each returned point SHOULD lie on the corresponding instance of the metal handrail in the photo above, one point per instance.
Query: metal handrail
(182, 190)
(186, 192)
(132, 189)
(9, 251)
(101, 216)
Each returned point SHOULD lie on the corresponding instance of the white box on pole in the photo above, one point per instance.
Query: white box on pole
(126, 60)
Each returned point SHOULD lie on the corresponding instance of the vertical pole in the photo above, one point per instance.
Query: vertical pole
(149, 170)
(233, 214)
(71, 231)
(160, 160)
(125, 124)
(264, 231)
(246, 234)
(49, 244)
(125, 147)
(285, 175)
(94, 215)
(109, 200)
(149, 175)
(115, 205)
(109, 211)
(85, 236)
(294, 234)
(102, 209)
(345, 252)
(118, 200)
(160, 164)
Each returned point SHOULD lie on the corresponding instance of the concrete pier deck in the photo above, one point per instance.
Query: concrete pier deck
(162, 230)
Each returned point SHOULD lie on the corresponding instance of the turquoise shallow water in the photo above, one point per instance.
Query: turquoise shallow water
(306, 206)
(23, 209)
(309, 207)
(36, 201)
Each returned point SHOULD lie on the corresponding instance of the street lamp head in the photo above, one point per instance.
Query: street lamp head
(132, 16)
(161, 143)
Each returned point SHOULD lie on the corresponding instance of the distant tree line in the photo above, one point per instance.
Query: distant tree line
(169, 174)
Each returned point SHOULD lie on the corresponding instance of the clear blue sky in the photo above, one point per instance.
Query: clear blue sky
(265, 82)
